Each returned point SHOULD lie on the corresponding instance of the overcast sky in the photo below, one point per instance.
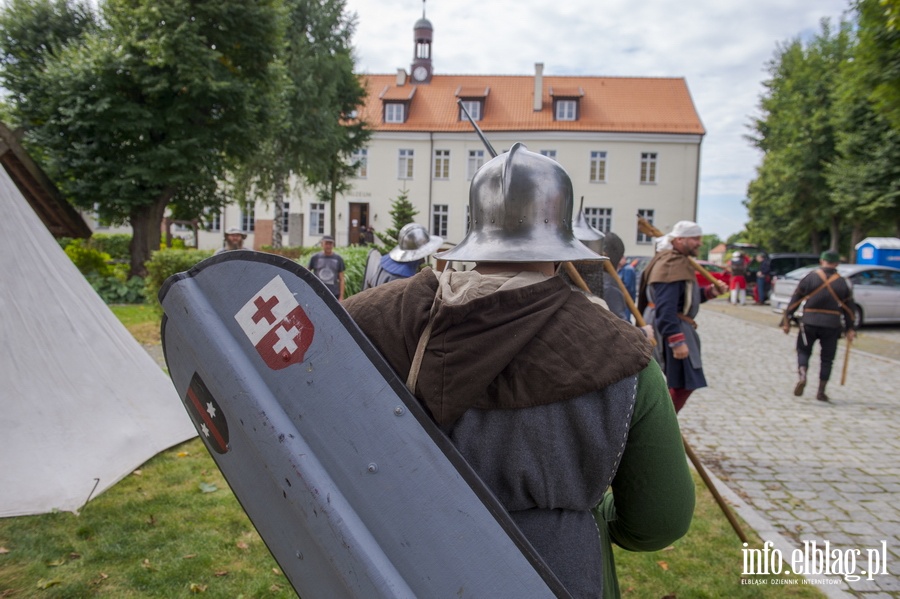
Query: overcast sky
(720, 47)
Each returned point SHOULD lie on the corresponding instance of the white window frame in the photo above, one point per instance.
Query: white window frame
(248, 220)
(212, 219)
(440, 216)
(394, 112)
(475, 162)
(474, 109)
(598, 166)
(442, 164)
(649, 167)
(285, 216)
(360, 158)
(600, 219)
(648, 215)
(549, 154)
(405, 163)
(317, 218)
(566, 110)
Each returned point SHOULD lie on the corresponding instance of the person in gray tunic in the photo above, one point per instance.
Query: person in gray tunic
(555, 401)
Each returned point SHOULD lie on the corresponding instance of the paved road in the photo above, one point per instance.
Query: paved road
(813, 471)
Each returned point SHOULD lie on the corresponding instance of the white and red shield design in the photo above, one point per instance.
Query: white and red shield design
(276, 325)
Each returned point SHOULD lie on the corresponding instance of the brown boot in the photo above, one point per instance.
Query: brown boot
(801, 381)
(820, 394)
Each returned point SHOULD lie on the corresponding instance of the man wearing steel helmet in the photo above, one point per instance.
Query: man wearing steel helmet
(551, 398)
(670, 299)
(414, 244)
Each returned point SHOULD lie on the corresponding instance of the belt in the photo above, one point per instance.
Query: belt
(683, 317)
(835, 312)
(687, 319)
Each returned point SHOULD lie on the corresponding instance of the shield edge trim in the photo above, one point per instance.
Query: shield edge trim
(465, 470)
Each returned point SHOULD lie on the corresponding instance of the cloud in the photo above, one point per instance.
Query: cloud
(720, 48)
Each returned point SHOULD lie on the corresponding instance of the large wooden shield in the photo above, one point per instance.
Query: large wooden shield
(351, 486)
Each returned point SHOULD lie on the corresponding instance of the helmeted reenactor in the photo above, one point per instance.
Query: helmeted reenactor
(828, 309)
(414, 245)
(551, 398)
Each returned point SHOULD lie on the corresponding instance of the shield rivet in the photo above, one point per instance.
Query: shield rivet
(372, 468)
(398, 411)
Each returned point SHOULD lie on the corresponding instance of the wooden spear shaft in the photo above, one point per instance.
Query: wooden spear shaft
(648, 229)
(628, 301)
(846, 363)
(579, 281)
(715, 493)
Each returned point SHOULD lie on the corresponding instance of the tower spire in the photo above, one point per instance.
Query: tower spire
(422, 34)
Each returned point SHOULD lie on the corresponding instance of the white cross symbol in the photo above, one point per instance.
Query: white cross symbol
(285, 340)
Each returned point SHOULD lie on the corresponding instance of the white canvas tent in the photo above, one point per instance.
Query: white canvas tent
(82, 404)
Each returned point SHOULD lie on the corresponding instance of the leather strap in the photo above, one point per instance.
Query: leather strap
(423, 341)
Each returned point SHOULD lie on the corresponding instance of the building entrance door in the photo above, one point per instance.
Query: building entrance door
(359, 223)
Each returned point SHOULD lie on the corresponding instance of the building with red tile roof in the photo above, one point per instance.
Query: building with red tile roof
(630, 144)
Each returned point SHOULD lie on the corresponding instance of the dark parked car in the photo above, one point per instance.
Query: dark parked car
(786, 262)
(782, 263)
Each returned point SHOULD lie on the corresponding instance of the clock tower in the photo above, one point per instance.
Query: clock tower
(421, 64)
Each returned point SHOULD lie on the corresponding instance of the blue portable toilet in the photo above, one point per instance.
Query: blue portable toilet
(884, 251)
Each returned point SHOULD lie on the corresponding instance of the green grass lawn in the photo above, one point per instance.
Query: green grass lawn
(174, 529)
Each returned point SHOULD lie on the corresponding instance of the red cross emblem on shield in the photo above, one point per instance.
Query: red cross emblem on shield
(276, 325)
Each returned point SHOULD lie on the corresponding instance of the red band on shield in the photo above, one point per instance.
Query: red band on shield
(207, 415)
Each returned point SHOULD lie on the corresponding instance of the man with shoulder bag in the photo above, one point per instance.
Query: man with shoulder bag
(828, 310)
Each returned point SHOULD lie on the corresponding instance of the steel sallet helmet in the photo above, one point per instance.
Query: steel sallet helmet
(587, 234)
(414, 243)
(520, 205)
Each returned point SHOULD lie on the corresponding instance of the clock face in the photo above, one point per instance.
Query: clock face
(420, 73)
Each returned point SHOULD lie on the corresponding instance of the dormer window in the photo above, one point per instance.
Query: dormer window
(394, 112)
(395, 102)
(566, 110)
(472, 99)
(473, 107)
(566, 103)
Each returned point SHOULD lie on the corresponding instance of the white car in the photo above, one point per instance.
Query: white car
(876, 291)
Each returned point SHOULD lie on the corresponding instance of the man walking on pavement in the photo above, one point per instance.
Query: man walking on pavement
(670, 298)
(828, 310)
(551, 398)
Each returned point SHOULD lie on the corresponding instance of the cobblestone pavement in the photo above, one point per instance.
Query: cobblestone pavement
(814, 471)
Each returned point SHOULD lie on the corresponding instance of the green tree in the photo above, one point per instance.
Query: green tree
(33, 34)
(402, 213)
(149, 108)
(865, 174)
(310, 132)
(878, 52)
(789, 200)
(709, 242)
